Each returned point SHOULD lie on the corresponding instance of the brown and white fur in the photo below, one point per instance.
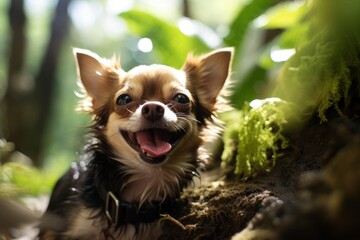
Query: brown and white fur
(146, 133)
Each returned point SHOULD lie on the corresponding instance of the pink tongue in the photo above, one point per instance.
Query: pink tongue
(154, 142)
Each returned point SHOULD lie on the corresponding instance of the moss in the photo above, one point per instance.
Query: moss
(253, 137)
(324, 73)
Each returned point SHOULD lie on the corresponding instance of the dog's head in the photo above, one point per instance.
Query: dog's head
(151, 116)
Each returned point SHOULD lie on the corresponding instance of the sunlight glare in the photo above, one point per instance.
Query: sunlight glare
(114, 27)
(187, 26)
(260, 21)
(83, 13)
(281, 55)
(39, 6)
(191, 27)
(145, 45)
(116, 6)
(256, 103)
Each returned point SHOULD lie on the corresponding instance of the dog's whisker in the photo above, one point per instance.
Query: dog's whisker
(179, 127)
(189, 118)
(114, 134)
(127, 109)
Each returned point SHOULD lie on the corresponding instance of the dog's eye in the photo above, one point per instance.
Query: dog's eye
(123, 99)
(181, 98)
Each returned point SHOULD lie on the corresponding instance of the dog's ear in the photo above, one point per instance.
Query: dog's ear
(206, 77)
(95, 75)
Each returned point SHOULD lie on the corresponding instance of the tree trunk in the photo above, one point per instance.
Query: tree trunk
(46, 77)
(27, 102)
(17, 100)
(186, 9)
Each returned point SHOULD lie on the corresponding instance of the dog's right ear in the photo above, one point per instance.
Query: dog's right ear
(94, 72)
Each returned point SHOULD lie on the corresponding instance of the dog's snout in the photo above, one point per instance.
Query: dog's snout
(152, 111)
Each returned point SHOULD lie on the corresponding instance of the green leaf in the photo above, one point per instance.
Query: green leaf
(244, 18)
(245, 38)
(282, 15)
(170, 44)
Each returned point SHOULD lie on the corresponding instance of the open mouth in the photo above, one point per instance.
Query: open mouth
(153, 145)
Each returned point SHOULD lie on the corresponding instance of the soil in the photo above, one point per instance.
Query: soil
(312, 193)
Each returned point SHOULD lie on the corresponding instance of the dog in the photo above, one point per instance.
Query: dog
(147, 128)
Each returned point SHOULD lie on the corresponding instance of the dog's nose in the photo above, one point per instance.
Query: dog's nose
(152, 111)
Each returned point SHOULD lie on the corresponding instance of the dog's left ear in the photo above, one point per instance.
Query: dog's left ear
(206, 77)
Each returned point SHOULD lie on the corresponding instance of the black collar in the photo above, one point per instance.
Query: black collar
(120, 212)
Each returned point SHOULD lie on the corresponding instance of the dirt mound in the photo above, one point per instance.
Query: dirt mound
(312, 193)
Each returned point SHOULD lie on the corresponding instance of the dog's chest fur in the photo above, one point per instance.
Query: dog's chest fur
(78, 199)
(85, 227)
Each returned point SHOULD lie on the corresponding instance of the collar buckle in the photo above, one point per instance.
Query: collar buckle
(112, 208)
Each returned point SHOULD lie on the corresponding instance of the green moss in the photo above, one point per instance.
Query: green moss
(253, 137)
(324, 73)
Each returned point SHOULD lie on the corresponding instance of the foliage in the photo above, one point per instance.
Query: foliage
(319, 76)
(170, 44)
(243, 20)
(17, 179)
(324, 73)
(253, 137)
(258, 32)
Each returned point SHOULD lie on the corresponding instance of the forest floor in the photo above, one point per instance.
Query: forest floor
(312, 193)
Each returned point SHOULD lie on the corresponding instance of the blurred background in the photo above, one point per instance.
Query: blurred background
(38, 124)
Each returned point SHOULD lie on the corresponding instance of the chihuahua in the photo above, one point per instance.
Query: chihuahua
(147, 128)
